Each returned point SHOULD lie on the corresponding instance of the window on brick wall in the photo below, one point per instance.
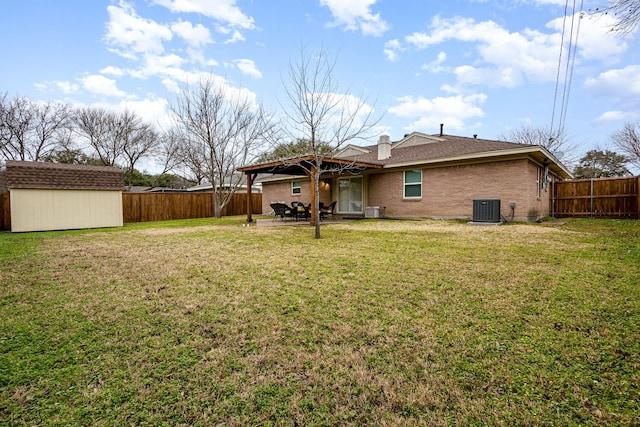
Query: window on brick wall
(296, 187)
(413, 184)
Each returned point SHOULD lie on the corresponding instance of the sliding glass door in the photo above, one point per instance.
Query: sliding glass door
(350, 195)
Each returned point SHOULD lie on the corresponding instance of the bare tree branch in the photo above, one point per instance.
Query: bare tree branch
(626, 12)
(220, 128)
(627, 140)
(319, 113)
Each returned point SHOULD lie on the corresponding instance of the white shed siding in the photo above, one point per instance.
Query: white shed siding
(41, 210)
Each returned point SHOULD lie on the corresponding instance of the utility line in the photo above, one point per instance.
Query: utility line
(555, 94)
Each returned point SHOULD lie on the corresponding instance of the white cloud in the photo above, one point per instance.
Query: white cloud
(391, 49)
(101, 85)
(622, 82)
(113, 71)
(222, 10)
(507, 58)
(65, 87)
(248, 67)
(236, 36)
(151, 110)
(195, 36)
(435, 66)
(132, 35)
(356, 15)
(618, 116)
(454, 111)
(596, 41)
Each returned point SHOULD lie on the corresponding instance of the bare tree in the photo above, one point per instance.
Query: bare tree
(16, 121)
(31, 131)
(138, 139)
(221, 128)
(98, 127)
(319, 113)
(626, 12)
(627, 140)
(558, 144)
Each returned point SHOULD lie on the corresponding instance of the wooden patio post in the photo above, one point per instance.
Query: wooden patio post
(249, 197)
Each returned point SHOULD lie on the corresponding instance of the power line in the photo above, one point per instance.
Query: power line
(572, 48)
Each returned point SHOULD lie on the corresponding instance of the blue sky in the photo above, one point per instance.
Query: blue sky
(478, 66)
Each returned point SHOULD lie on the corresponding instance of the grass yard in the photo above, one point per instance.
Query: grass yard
(383, 322)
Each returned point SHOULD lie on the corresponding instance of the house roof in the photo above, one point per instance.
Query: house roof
(420, 149)
(299, 165)
(58, 176)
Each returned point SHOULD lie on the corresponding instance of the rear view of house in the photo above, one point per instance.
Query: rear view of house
(52, 196)
(436, 176)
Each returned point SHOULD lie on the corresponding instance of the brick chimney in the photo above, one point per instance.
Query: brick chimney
(384, 147)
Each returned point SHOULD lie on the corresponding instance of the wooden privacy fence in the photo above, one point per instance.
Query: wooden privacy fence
(596, 198)
(5, 212)
(142, 207)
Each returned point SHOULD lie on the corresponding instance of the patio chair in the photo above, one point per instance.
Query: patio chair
(281, 210)
(330, 209)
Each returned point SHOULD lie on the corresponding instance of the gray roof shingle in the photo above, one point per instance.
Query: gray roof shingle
(58, 176)
(451, 146)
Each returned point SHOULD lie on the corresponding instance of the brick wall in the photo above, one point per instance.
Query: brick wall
(280, 191)
(447, 192)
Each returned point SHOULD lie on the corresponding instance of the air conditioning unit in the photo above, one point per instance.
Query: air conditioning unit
(374, 212)
(486, 210)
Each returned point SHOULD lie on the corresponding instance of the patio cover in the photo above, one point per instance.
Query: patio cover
(302, 165)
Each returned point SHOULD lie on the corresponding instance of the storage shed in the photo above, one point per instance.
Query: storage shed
(54, 196)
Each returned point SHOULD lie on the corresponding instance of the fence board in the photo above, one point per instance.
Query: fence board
(5, 212)
(597, 198)
(142, 207)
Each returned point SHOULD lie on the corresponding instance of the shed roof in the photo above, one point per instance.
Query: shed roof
(58, 176)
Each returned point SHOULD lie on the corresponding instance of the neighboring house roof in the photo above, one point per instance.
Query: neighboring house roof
(58, 176)
(241, 184)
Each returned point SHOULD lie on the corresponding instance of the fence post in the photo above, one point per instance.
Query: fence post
(553, 198)
(591, 200)
(638, 198)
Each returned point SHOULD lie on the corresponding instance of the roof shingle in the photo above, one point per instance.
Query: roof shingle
(58, 176)
(451, 146)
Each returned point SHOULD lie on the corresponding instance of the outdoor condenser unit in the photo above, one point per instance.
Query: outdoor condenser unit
(486, 210)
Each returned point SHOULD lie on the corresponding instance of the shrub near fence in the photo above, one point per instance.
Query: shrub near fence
(142, 207)
(597, 198)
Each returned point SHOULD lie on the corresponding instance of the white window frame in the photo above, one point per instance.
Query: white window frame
(296, 190)
(405, 184)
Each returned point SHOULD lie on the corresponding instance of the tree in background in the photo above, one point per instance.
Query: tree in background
(626, 12)
(221, 129)
(557, 144)
(138, 140)
(30, 131)
(292, 149)
(627, 140)
(601, 164)
(96, 126)
(319, 113)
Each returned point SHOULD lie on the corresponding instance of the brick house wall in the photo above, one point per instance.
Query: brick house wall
(448, 192)
(280, 191)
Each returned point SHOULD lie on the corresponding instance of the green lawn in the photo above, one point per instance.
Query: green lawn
(382, 322)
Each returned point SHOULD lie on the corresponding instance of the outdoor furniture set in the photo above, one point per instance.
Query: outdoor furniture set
(299, 210)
